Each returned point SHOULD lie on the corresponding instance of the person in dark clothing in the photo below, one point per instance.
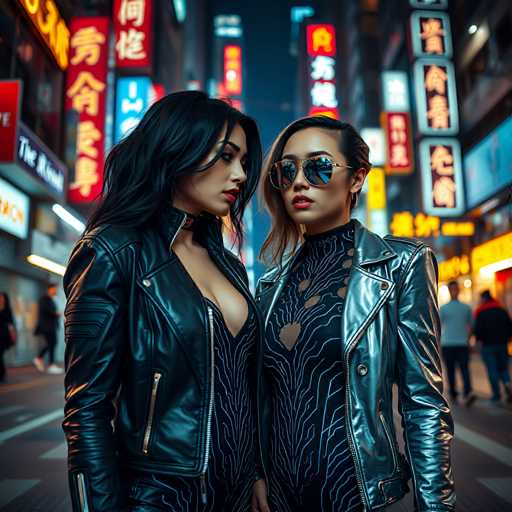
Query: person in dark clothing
(47, 326)
(7, 332)
(493, 329)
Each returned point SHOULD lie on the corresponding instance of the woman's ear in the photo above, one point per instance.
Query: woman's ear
(358, 180)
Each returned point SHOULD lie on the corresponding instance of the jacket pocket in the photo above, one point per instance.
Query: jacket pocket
(157, 376)
(391, 442)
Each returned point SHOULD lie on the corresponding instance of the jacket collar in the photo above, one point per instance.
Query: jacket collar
(209, 227)
(370, 249)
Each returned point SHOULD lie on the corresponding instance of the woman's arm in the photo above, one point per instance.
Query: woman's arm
(426, 418)
(94, 334)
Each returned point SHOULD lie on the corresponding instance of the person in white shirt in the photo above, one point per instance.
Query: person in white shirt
(456, 326)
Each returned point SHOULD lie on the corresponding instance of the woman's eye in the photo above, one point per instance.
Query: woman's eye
(227, 157)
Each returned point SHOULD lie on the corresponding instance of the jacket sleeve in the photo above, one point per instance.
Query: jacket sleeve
(94, 334)
(426, 417)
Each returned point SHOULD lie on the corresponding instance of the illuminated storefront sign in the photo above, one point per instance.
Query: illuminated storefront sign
(14, 210)
(228, 25)
(422, 225)
(233, 70)
(86, 94)
(441, 173)
(429, 4)
(375, 139)
(10, 103)
(52, 28)
(397, 129)
(453, 268)
(132, 100)
(431, 34)
(436, 97)
(376, 195)
(321, 49)
(133, 33)
(493, 256)
(395, 91)
(488, 165)
(40, 162)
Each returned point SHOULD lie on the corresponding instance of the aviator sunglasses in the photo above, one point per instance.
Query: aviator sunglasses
(317, 171)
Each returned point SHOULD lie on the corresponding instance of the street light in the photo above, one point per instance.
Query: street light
(472, 29)
(68, 218)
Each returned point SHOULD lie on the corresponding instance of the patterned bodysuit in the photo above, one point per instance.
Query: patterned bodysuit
(231, 466)
(311, 466)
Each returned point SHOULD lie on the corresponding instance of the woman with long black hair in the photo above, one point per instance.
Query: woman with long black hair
(160, 325)
(347, 315)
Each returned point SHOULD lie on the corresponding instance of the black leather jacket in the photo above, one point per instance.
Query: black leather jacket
(139, 359)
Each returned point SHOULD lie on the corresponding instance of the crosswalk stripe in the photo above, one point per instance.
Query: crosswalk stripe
(5, 411)
(500, 486)
(59, 452)
(30, 425)
(10, 489)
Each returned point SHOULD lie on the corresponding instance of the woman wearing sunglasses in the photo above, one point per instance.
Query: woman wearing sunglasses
(161, 328)
(347, 314)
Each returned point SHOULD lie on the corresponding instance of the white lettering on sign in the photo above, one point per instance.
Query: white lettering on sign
(26, 153)
(5, 119)
(40, 163)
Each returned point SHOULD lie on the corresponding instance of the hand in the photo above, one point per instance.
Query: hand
(259, 497)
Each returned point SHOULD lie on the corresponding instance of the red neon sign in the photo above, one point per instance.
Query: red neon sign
(233, 69)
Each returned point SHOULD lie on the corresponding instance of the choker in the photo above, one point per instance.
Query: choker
(190, 222)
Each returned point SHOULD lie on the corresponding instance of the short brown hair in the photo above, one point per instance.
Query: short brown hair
(285, 234)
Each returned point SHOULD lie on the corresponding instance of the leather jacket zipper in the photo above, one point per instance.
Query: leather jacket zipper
(388, 435)
(82, 492)
(349, 424)
(149, 424)
(204, 496)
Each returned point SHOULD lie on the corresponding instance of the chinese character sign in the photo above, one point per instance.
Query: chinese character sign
(133, 97)
(133, 33)
(442, 177)
(431, 34)
(321, 49)
(86, 94)
(397, 129)
(48, 21)
(395, 91)
(233, 70)
(436, 97)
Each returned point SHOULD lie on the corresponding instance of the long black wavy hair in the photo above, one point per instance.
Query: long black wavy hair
(175, 135)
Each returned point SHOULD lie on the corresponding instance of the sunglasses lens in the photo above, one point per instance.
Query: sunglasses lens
(318, 171)
(283, 174)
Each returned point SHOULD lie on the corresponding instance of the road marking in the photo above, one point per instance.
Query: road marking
(10, 489)
(9, 388)
(30, 425)
(59, 452)
(496, 450)
(5, 411)
(23, 417)
(500, 486)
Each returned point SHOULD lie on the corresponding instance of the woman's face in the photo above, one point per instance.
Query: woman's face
(320, 208)
(217, 188)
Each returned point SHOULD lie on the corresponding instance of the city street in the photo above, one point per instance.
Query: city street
(33, 469)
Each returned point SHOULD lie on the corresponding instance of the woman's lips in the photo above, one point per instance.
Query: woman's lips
(230, 196)
(301, 203)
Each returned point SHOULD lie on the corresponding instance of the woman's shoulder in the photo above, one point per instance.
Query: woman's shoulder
(111, 237)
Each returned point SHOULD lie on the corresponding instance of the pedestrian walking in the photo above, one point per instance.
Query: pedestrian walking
(493, 329)
(456, 327)
(7, 331)
(47, 327)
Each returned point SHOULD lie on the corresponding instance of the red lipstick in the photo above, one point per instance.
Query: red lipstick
(301, 202)
(231, 195)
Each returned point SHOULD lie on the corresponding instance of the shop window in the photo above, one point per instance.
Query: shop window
(42, 89)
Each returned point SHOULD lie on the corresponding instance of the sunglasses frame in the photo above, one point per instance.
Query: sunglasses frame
(299, 162)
